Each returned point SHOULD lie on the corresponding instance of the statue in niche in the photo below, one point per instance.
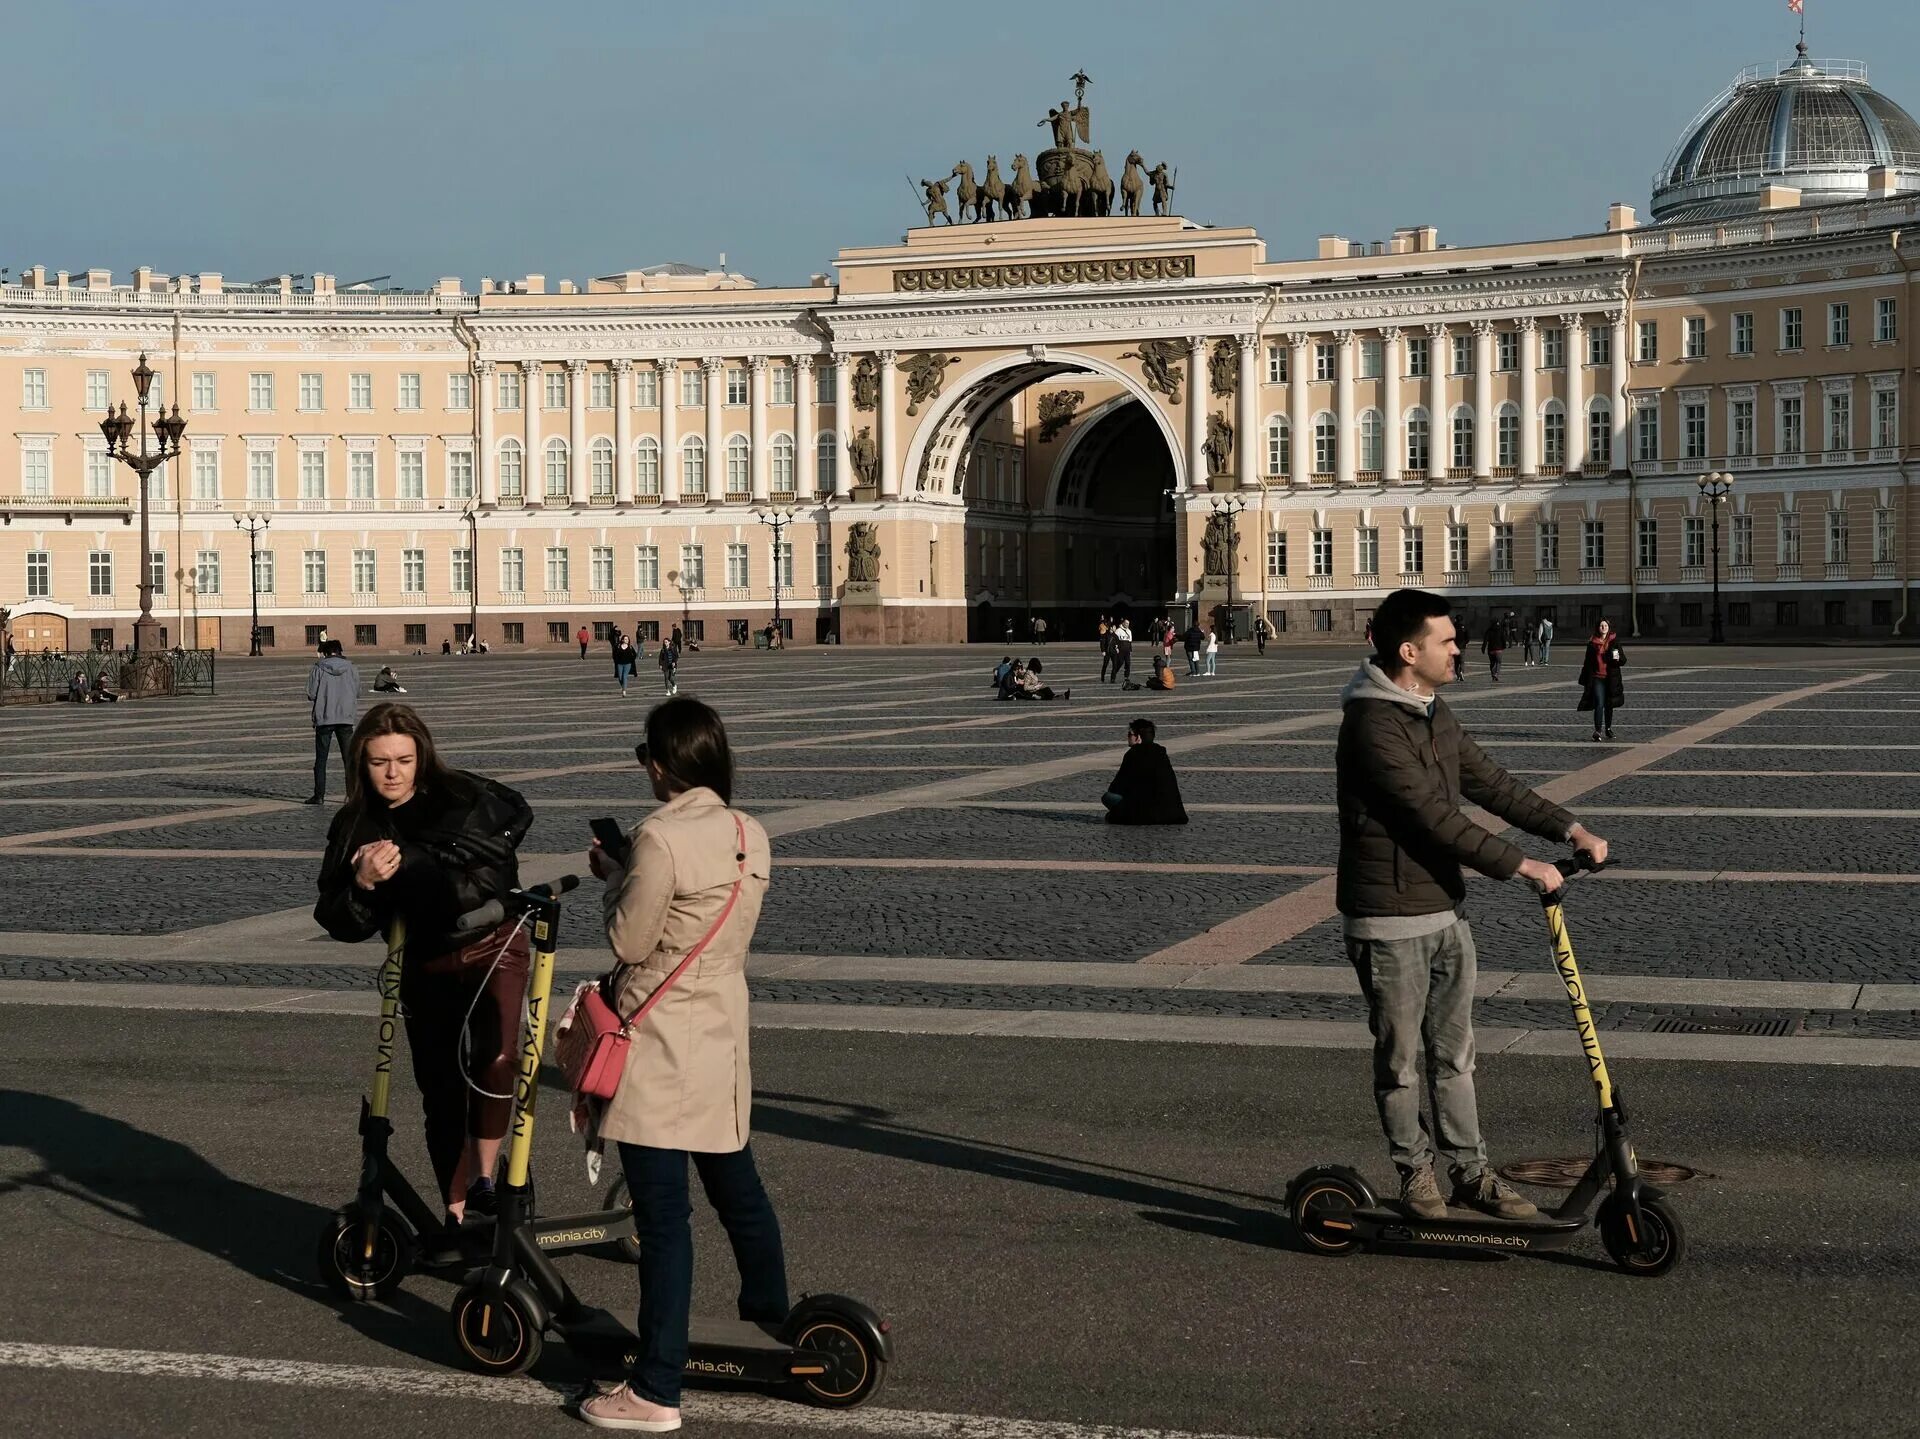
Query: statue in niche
(866, 383)
(926, 375)
(1057, 411)
(1219, 446)
(1216, 553)
(865, 458)
(1159, 366)
(1223, 367)
(863, 553)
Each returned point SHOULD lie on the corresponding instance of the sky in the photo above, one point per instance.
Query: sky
(581, 137)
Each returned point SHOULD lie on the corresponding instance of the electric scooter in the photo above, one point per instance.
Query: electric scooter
(830, 1350)
(388, 1230)
(1336, 1211)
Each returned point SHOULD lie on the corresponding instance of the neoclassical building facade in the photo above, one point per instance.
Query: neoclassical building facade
(1036, 416)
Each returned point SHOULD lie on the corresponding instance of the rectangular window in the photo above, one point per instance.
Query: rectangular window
(263, 569)
(33, 389)
(737, 566)
(600, 389)
(646, 567)
(1507, 441)
(1886, 418)
(310, 391)
(366, 636)
(409, 391)
(313, 572)
(1696, 337)
(1839, 420)
(1276, 364)
(206, 474)
(36, 470)
(1366, 550)
(413, 474)
(1836, 537)
(693, 389)
(100, 572)
(1321, 559)
(1839, 324)
(206, 572)
(825, 384)
(39, 574)
(782, 557)
(780, 384)
(600, 561)
(1372, 359)
(459, 392)
(646, 387)
(1789, 434)
(1553, 349)
(508, 383)
(1742, 545)
(157, 572)
(1506, 350)
(203, 390)
(1419, 357)
(1790, 329)
(313, 474)
(1647, 346)
(260, 391)
(1886, 319)
(822, 565)
(513, 632)
(555, 384)
(1463, 442)
(1787, 547)
(96, 389)
(1554, 434)
(1786, 614)
(736, 385)
(1740, 427)
(360, 474)
(1325, 446)
(99, 474)
(1599, 345)
(1693, 431)
(1413, 550)
(1502, 547)
(413, 572)
(365, 573)
(1323, 361)
(559, 568)
(513, 570)
(693, 567)
(460, 572)
(1456, 549)
(1647, 543)
(1276, 554)
(1743, 333)
(1463, 354)
(1883, 537)
(1593, 544)
(260, 475)
(360, 390)
(1419, 437)
(1693, 540)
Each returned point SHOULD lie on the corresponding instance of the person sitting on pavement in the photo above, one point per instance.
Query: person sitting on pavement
(1144, 791)
(1001, 671)
(1162, 678)
(386, 682)
(1403, 768)
(1031, 687)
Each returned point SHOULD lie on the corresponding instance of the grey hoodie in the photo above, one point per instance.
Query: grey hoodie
(334, 687)
(1369, 683)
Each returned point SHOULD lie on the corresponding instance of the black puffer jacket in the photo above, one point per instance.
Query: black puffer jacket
(456, 853)
(1402, 773)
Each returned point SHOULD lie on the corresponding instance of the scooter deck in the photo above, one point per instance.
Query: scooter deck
(719, 1349)
(1466, 1228)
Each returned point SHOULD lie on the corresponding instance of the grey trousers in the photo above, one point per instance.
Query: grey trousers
(1421, 991)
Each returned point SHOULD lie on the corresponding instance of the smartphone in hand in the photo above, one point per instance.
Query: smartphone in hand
(612, 838)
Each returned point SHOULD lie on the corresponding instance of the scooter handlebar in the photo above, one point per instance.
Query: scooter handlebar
(494, 911)
(1581, 863)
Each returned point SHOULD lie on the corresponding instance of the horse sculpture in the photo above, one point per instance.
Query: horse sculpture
(1021, 191)
(1133, 183)
(968, 193)
(993, 190)
(1100, 187)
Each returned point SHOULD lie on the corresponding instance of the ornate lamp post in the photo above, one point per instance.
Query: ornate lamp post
(1715, 488)
(777, 521)
(1229, 509)
(253, 524)
(119, 432)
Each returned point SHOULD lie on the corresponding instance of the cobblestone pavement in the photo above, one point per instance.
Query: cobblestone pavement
(916, 817)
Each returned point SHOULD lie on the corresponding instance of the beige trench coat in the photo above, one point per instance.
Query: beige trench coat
(688, 1084)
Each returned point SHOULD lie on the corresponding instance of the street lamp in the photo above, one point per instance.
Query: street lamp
(1714, 489)
(253, 524)
(471, 514)
(1230, 508)
(119, 432)
(776, 520)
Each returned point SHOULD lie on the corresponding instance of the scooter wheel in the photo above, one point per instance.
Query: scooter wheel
(496, 1328)
(854, 1369)
(1322, 1214)
(628, 1244)
(349, 1270)
(1660, 1244)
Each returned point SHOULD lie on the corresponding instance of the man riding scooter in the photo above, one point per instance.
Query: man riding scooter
(1404, 767)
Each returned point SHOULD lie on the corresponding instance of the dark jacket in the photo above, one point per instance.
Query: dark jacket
(1148, 791)
(1403, 767)
(1616, 687)
(1195, 639)
(1496, 637)
(461, 856)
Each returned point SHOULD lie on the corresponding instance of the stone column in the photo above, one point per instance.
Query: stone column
(804, 459)
(1196, 412)
(578, 471)
(1576, 399)
(1344, 429)
(1622, 380)
(845, 417)
(669, 380)
(535, 476)
(757, 427)
(486, 476)
(715, 371)
(1439, 422)
(886, 432)
(622, 430)
(1246, 444)
(1484, 423)
(1392, 458)
(1299, 406)
(1529, 398)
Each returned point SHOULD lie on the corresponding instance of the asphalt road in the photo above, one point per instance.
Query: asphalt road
(1079, 1232)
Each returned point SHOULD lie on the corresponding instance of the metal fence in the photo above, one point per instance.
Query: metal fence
(49, 674)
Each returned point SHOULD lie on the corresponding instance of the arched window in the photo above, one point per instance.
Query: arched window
(1463, 438)
(1600, 430)
(646, 468)
(1279, 447)
(1507, 449)
(738, 480)
(1326, 443)
(1419, 440)
(780, 458)
(693, 466)
(512, 479)
(1373, 439)
(826, 463)
(1553, 435)
(556, 469)
(603, 467)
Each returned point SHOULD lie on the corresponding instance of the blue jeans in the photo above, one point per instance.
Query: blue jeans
(622, 673)
(657, 1180)
(1546, 648)
(1213, 663)
(1602, 717)
(325, 735)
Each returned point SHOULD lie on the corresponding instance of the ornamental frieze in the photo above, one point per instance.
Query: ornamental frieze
(948, 278)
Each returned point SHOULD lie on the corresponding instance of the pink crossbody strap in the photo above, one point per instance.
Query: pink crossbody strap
(740, 854)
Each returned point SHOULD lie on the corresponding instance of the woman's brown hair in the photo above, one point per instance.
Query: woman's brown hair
(392, 719)
(688, 741)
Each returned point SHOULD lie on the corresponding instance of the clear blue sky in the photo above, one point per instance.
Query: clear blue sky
(574, 138)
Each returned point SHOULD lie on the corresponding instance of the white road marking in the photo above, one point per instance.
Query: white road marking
(442, 1384)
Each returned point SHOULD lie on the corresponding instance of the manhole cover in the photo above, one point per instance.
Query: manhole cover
(1771, 1028)
(1565, 1173)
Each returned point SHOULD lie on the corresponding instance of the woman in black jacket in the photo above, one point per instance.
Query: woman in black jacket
(1601, 688)
(423, 843)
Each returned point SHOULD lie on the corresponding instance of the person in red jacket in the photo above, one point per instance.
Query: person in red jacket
(1601, 688)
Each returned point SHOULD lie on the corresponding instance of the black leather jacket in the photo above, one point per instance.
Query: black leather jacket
(459, 854)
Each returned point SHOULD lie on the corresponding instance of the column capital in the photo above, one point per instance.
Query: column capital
(1344, 339)
(887, 358)
(1249, 344)
(576, 367)
(1299, 339)
(483, 367)
(1527, 324)
(530, 367)
(1574, 322)
(1196, 345)
(1436, 331)
(711, 363)
(1482, 328)
(1616, 318)
(843, 361)
(1390, 334)
(621, 364)
(801, 363)
(666, 366)
(756, 363)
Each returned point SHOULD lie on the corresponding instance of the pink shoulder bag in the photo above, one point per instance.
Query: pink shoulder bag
(592, 1045)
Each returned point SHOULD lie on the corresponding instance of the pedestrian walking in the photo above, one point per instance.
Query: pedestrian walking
(1123, 653)
(1261, 629)
(333, 695)
(1105, 634)
(1195, 641)
(624, 659)
(1009, 629)
(1529, 635)
(1404, 766)
(1495, 646)
(670, 664)
(1213, 650)
(1039, 629)
(1601, 687)
(320, 644)
(1546, 638)
(585, 638)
